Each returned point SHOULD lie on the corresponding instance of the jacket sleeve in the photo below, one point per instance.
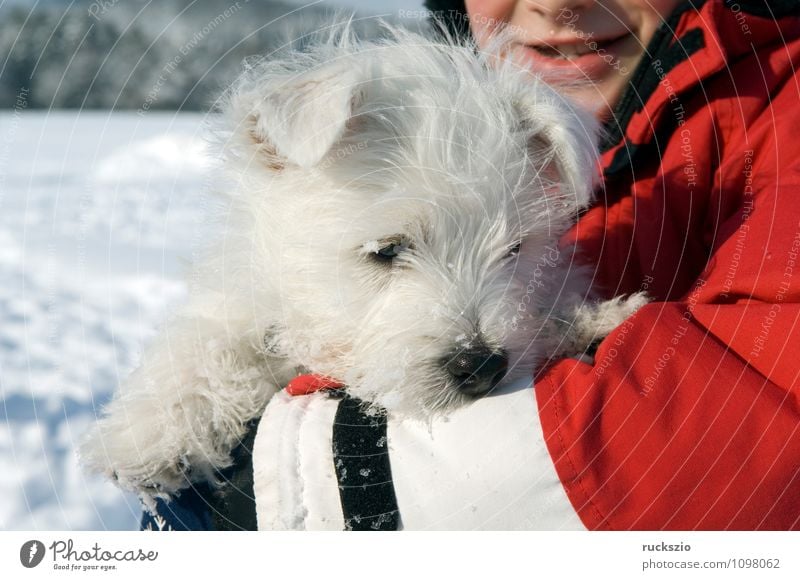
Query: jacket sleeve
(689, 417)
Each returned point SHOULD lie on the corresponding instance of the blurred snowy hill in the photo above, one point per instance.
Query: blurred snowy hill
(149, 55)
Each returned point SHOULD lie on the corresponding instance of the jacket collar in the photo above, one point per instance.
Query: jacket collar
(700, 39)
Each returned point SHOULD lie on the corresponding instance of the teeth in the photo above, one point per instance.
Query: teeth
(571, 50)
(564, 51)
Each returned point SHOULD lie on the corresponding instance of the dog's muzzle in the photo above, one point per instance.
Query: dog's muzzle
(476, 370)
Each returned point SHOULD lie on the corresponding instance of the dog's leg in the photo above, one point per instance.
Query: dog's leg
(593, 320)
(180, 414)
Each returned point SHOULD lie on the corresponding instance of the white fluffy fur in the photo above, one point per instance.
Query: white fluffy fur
(330, 152)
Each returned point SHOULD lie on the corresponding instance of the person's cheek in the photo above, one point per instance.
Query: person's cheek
(663, 7)
(655, 13)
(486, 15)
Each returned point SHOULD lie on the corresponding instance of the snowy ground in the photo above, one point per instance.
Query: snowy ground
(97, 211)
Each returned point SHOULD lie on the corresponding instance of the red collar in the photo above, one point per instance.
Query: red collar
(307, 384)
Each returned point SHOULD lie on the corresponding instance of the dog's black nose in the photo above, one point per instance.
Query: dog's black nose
(477, 370)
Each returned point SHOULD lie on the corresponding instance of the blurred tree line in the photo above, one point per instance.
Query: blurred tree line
(142, 54)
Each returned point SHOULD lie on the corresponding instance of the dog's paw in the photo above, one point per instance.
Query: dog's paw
(603, 317)
(136, 457)
(626, 306)
(181, 413)
(592, 322)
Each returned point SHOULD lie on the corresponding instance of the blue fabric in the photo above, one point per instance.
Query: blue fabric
(190, 511)
(204, 507)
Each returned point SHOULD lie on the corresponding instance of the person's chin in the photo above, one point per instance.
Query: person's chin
(600, 98)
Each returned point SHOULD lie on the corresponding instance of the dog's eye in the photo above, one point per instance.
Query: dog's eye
(388, 252)
(513, 250)
(388, 249)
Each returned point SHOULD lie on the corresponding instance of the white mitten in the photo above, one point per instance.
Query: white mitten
(484, 466)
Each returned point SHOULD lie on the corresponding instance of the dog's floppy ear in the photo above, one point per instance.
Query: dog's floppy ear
(567, 134)
(298, 118)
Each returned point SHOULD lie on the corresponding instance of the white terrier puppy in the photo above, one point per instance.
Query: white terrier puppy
(394, 216)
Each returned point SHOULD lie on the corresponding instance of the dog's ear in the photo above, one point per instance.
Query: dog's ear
(298, 118)
(564, 133)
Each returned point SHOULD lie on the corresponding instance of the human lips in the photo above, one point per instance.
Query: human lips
(590, 56)
(572, 48)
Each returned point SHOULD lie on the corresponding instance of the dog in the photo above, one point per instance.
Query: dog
(393, 211)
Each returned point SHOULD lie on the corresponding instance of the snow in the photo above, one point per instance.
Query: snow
(98, 212)
(371, 247)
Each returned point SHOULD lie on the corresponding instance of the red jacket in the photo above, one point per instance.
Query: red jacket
(690, 416)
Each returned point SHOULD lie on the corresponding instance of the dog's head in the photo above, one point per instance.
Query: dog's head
(400, 206)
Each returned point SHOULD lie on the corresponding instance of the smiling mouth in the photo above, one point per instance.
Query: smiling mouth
(575, 50)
